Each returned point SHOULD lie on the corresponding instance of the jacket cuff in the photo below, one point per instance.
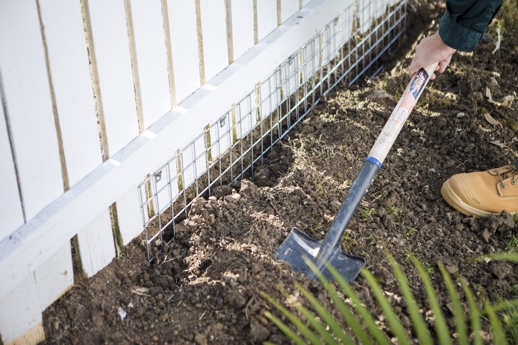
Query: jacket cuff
(456, 36)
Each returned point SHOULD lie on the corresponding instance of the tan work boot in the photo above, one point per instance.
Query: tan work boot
(483, 193)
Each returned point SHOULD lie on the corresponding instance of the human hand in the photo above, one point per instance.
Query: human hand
(431, 50)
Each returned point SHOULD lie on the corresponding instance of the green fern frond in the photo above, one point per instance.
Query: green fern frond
(458, 312)
(418, 322)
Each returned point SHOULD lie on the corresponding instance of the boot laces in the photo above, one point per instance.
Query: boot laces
(503, 173)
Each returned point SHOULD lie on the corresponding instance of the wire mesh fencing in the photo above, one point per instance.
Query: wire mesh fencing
(228, 150)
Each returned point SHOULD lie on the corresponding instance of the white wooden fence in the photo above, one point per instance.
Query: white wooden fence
(98, 94)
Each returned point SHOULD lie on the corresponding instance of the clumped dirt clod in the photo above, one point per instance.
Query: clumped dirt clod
(206, 288)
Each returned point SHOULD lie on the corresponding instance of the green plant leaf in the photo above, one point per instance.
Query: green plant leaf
(285, 329)
(507, 256)
(496, 325)
(458, 312)
(350, 319)
(388, 311)
(505, 305)
(335, 328)
(474, 313)
(365, 315)
(441, 328)
(418, 322)
(303, 329)
(317, 325)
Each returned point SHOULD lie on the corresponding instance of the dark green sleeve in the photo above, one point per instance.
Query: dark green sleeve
(465, 21)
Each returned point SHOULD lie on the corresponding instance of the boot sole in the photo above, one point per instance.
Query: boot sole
(454, 201)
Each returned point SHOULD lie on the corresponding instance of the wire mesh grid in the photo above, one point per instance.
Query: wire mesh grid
(228, 149)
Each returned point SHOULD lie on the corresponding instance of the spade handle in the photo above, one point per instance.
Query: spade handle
(373, 162)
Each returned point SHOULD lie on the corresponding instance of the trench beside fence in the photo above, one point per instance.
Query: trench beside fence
(116, 115)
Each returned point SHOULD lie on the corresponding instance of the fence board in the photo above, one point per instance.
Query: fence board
(54, 277)
(214, 32)
(129, 216)
(69, 67)
(113, 63)
(288, 8)
(266, 22)
(242, 14)
(184, 46)
(11, 213)
(33, 130)
(20, 316)
(151, 58)
(96, 247)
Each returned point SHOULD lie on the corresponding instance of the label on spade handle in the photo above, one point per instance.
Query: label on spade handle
(398, 117)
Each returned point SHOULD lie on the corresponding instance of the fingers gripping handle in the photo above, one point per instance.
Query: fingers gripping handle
(399, 115)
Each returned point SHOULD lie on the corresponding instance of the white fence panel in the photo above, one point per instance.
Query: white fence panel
(28, 105)
(96, 244)
(220, 136)
(288, 8)
(184, 46)
(70, 72)
(11, 213)
(113, 63)
(246, 116)
(20, 315)
(194, 161)
(242, 13)
(128, 215)
(54, 277)
(266, 17)
(214, 33)
(151, 59)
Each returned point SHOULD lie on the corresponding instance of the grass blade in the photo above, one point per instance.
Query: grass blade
(507, 256)
(496, 325)
(441, 328)
(505, 305)
(388, 311)
(285, 329)
(317, 325)
(350, 319)
(366, 316)
(299, 325)
(336, 328)
(420, 327)
(458, 312)
(474, 314)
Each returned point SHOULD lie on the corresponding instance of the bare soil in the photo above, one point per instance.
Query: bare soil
(206, 289)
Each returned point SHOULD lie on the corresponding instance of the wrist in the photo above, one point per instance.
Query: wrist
(443, 47)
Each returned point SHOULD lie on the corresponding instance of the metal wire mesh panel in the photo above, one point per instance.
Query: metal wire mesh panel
(227, 150)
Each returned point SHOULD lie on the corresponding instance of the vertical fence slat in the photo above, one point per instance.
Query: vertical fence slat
(112, 54)
(266, 17)
(69, 67)
(184, 46)
(242, 26)
(288, 8)
(152, 78)
(54, 277)
(112, 58)
(214, 32)
(20, 316)
(151, 56)
(11, 213)
(28, 105)
(129, 216)
(96, 247)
